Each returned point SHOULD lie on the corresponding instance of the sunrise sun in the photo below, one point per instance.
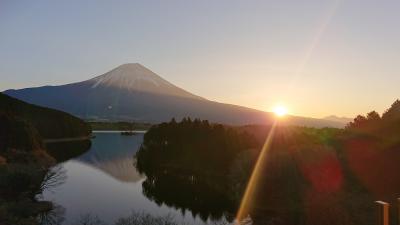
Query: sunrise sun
(280, 110)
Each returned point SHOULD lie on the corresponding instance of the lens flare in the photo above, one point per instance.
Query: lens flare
(247, 200)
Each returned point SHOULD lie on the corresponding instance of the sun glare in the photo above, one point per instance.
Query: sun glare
(280, 110)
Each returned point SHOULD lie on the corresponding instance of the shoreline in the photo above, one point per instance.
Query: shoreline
(58, 140)
(118, 131)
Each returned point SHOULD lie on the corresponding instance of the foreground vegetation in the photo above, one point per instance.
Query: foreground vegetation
(23, 169)
(310, 176)
(135, 218)
(25, 161)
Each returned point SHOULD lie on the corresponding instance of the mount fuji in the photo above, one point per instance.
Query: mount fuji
(131, 92)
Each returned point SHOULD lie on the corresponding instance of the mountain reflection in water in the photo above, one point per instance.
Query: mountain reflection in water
(104, 182)
(114, 156)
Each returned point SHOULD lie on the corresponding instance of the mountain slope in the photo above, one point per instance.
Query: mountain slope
(133, 92)
(49, 123)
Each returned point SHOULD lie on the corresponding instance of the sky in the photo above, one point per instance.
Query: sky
(316, 57)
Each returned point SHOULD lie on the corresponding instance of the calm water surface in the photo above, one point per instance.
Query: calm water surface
(104, 182)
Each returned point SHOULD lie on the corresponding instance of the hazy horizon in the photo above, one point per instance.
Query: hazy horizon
(316, 57)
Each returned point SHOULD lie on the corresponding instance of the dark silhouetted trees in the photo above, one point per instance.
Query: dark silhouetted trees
(191, 146)
(385, 127)
(393, 113)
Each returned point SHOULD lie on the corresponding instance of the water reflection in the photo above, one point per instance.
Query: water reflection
(103, 182)
(189, 194)
(113, 154)
(52, 217)
(55, 177)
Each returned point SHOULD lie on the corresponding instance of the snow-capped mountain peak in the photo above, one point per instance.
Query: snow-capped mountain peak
(135, 77)
(129, 76)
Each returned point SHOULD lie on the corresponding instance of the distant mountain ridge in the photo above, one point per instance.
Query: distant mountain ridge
(344, 120)
(131, 92)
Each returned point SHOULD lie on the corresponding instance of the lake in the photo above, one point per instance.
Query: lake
(104, 182)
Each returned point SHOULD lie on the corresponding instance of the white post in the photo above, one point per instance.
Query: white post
(383, 213)
(398, 211)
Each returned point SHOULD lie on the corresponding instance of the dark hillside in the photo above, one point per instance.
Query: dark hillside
(24, 172)
(49, 123)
